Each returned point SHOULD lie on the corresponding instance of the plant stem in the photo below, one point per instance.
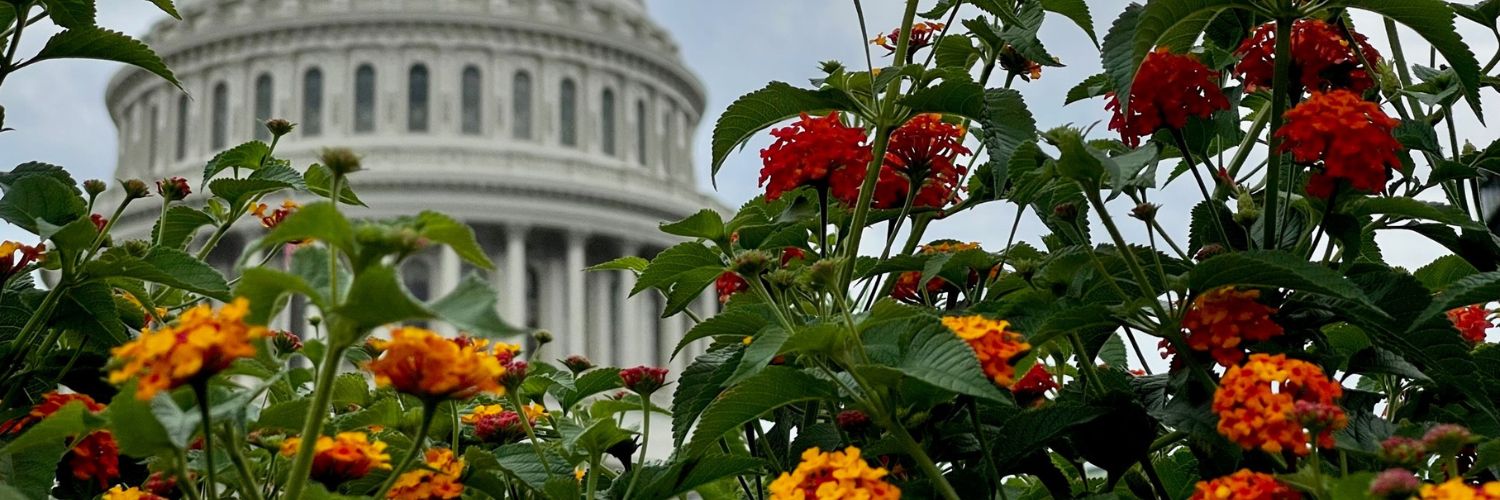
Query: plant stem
(1128, 256)
(640, 461)
(536, 445)
(925, 462)
(8, 64)
(1398, 59)
(248, 485)
(312, 425)
(1168, 439)
(333, 255)
(1280, 80)
(24, 338)
(200, 389)
(429, 410)
(183, 479)
(1085, 363)
(593, 479)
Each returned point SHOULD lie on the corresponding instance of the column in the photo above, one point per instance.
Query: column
(444, 281)
(671, 333)
(576, 316)
(515, 275)
(601, 345)
(630, 333)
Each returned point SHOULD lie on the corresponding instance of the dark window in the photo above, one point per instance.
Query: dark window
(151, 136)
(364, 99)
(264, 93)
(472, 102)
(182, 125)
(312, 103)
(220, 135)
(521, 100)
(640, 132)
(567, 113)
(607, 122)
(416, 99)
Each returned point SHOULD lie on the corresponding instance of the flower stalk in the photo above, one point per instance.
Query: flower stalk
(418, 442)
(1280, 81)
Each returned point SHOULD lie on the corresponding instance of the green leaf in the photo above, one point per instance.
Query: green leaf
(1475, 289)
(8, 179)
(1276, 269)
(763, 108)
(759, 353)
(938, 357)
(73, 419)
(955, 51)
(706, 224)
(1444, 271)
(97, 43)
(266, 289)
(90, 309)
(319, 181)
(688, 288)
(681, 477)
(1117, 55)
(1022, 36)
(519, 461)
(287, 415)
(167, 7)
(1418, 135)
(772, 388)
(588, 384)
(71, 14)
(377, 297)
(238, 192)
(166, 266)
(951, 97)
(1433, 20)
(734, 323)
(73, 238)
(1089, 88)
(40, 198)
(440, 228)
(1007, 125)
(700, 384)
(1411, 208)
(350, 389)
(317, 221)
(626, 263)
(179, 226)
(471, 307)
(1174, 24)
(248, 156)
(136, 426)
(1075, 10)
(670, 264)
(596, 438)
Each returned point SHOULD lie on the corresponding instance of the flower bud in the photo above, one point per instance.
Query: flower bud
(729, 284)
(1468, 148)
(135, 189)
(577, 364)
(790, 254)
(751, 263)
(173, 188)
(286, 341)
(1402, 451)
(1395, 484)
(342, 161)
(1318, 417)
(1145, 211)
(1209, 250)
(1246, 212)
(542, 337)
(99, 222)
(852, 420)
(1065, 211)
(823, 273)
(515, 375)
(644, 380)
(781, 278)
(1447, 439)
(161, 484)
(279, 126)
(94, 187)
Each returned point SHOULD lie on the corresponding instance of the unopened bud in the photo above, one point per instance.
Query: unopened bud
(577, 364)
(342, 161)
(93, 187)
(1395, 483)
(1402, 451)
(1209, 250)
(751, 263)
(542, 337)
(173, 188)
(279, 126)
(1447, 439)
(1145, 211)
(1065, 211)
(1246, 212)
(135, 189)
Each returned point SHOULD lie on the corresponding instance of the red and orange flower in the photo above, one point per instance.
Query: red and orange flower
(996, 346)
(926, 148)
(1168, 89)
(815, 151)
(495, 424)
(908, 286)
(1244, 485)
(344, 457)
(835, 475)
(1323, 57)
(1473, 322)
(95, 457)
(199, 345)
(1457, 489)
(1348, 136)
(11, 263)
(438, 478)
(272, 218)
(1220, 321)
(921, 36)
(1257, 404)
(424, 364)
(120, 492)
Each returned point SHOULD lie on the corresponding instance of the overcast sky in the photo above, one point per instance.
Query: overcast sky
(735, 47)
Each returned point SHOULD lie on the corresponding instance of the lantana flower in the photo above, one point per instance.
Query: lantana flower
(838, 474)
(199, 345)
(815, 151)
(95, 457)
(344, 457)
(925, 149)
(14, 257)
(1457, 489)
(644, 380)
(120, 492)
(909, 287)
(424, 364)
(495, 424)
(270, 218)
(1473, 322)
(1349, 137)
(921, 36)
(1168, 89)
(1244, 484)
(1322, 57)
(1256, 403)
(996, 346)
(438, 478)
(1222, 320)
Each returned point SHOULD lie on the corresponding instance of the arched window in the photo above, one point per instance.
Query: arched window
(567, 112)
(151, 134)
(607, 122)
(364, 99)
(471, 100)
(263, 95)
(521, 100)
(312, 103)
(220, 133)
(640, 132)
(416, 98)
(182, 125)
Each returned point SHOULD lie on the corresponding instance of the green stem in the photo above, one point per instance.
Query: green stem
(183, 479)
(1398, 59)
(925, 462)
(248, 485)
(1317, 471)
(24, 337)
(333, 256)
(593, 478)
(453, 412)
(429, 410)
(312, 426)
(1085, 364)
(536, 444)
(1280, 81)
(1242, 153)
(8, 65)
(200, 389)
(984, 446)
(1168, 439)
(1136, 270)
(640, 461)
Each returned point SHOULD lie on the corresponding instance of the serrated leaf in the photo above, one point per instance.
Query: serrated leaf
(700, 384)
(1022, 36)
(350, 389)
(248, 156)
(71, 14)
(763, 108)
(377, 297)
(671, 263)
(319, 181)
(36, 198)
(772, 388)
(471, 307)
(736, 323)
(1474, 289)
(1007, 125)
(238, 192)
(1277, 269)
(706, 224)
(167, 7)
(179, 225)
(1077, 11)
(1442, 272)
(681, 477)
(955, 51)
(626, 263)
(951, 97)
(1410, 208)
(1433, 20)
(440, 228)
(266, 289)
(519, 461)
(1091, 87)
(758, 353)
(73, 419)
(317, 221)
(287, 415)
(87, 42)
(590, 383)
(938, 357)
(136, 426)
(166, 266)
(28, 169)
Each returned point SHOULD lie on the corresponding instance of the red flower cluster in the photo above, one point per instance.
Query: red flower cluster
(1244, 485)
(926, 149)
(173, 188)
(1033, 386)
(1472, 322)
(1257, 404)
(644, 380)
(1221, 320)
(820, 152)
(728, 284)
(95, 457)
(908, 284)
(921, 36)
(1322, 57)
(1168, 89)
(1349, 135)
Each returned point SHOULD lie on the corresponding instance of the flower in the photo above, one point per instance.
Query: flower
(994, 344)
(11, 264)
(578, 363)
(279, 126)
(644, 380)
(835, 475)
(1394, 483)
(1168, 89)
(344, 457)
(729, 284)
(906, 288)
(201, 343)
(1244, 485)
(270, 220)
(921, 36)
(1322, 57)
(94, 187)
(424, 364)
(1033, 386)
(1349, 136)
(1223, 319)
(286, 341)
(1457, 489)
(99, 222)
(852, 420)
(438, 478)
(1403, 452)
(1447, 439)
(815, 151)
(173, 188)
(926, 149)
(1256, 403)
(96, 456)
(120, 492)
(495, 424)
(162, 484)
(1013, 62)
(1472, 322)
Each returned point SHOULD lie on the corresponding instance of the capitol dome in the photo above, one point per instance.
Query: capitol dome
(559, 129)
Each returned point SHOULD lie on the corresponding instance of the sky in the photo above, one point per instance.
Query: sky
(735, 47)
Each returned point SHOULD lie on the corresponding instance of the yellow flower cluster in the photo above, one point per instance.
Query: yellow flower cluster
(200, 344)
(425, 364)
(995, 344)
(1457, 489)
(436, 479)
(347, 456)
(120, 492)
(836, 475)
(533, 411)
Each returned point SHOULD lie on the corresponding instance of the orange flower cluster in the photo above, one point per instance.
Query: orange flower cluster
(906, 287)
(120, 492)
(1350, 136)
(1457, 489)
(921, 36)
(1472, 322)
(423, 363)
(12, 264)
(993, 342)
(201, 343)
(1322, 57)
(1223, 319)
(271, 219)
(816, 151)
(926, 148)
(1244, 485)
(344, 457)
(836, 475)
(1168, 89)
(437, 478)
(96, 456)
(1256, 403)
